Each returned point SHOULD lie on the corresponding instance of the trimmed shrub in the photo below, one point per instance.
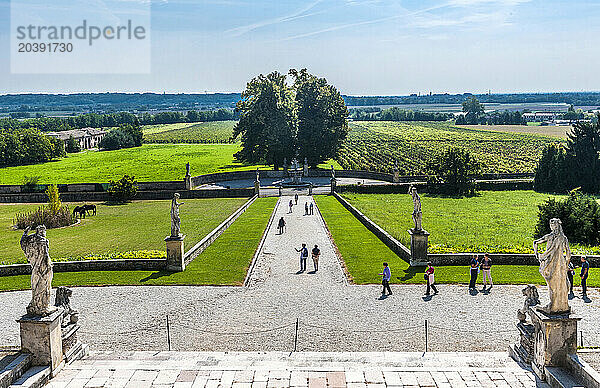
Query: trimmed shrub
(72, 146)
(115, 140)
(123, 190)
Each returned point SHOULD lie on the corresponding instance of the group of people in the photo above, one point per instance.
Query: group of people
(386, 276)
(316, 253)
(583, 274)
(309, 208)
(481, 265)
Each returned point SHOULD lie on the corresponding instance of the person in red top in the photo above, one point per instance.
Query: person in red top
(430, 279)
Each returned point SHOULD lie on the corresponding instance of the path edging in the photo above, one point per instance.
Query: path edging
(260, 244)
(197, 249)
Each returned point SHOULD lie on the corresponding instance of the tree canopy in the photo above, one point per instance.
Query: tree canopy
(306, 119)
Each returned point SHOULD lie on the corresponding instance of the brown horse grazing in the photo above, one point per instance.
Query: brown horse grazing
(79, 210)
(90, 208)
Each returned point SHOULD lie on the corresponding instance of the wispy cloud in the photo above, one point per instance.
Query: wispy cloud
(300, 13)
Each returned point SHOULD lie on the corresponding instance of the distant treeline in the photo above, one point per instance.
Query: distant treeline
(492, 118)
(27, 146)
(94, 120)
(575, 98)
(116, 102)
(397, 114)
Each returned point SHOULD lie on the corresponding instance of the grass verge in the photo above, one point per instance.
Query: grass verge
(364, 254)
(225, 262)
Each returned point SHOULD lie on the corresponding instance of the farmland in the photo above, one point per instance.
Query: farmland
(545, 130)
(377, 146)
(206, 133)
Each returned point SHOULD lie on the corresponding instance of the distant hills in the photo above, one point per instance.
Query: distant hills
(143, 102)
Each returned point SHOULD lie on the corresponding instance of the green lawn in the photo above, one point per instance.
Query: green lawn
(150, 162)
(225, 262)
(494, 221)
(364, 254)
(140, 225)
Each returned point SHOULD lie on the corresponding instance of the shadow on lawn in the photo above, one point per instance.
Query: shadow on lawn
(156, 275)
(410, 273)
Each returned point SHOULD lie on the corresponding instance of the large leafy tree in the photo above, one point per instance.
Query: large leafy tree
(267, 121)
(453, 172)
(576, 165)
(322, 114)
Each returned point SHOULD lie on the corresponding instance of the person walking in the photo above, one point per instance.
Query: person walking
(305, 208)
(585, 270)
(385, 281)
(281, 225)
(570, 274)
(430, 279)
(316, 253)
(311, 209)
(486, 267)
(296, 198)
(303, 256)
(474, 270)
(291, 205)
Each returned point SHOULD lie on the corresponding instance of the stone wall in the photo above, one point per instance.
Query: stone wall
(212, 236)
(395, 245)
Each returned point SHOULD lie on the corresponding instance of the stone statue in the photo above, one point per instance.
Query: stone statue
(305, 161)
(257, 176)
(417, 215)
(285, 166)
(332, 172)
(36, 248)
(175, 220)
(187, 169)
(69, 315)
(553, 267)
(532, 298)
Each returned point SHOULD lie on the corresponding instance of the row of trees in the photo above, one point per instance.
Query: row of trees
(474, 113)
(396, 114)
(94, 120)
(576, 164)
(306, 119)
(28, 146)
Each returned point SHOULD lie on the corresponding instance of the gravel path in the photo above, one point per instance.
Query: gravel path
(332, 315)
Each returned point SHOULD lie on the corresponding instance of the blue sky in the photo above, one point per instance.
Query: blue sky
(364, 47)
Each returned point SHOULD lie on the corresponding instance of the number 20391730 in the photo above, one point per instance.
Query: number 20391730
(45, 47)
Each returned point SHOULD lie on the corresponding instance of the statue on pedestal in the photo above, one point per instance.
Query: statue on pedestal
(417, 215)
(554, 262)
(332, 172)
(257, 176)
(187, 169)
(175, 220)
(36, 248)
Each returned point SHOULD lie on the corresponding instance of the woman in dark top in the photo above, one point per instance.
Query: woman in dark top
(474, 271)
(486, 267)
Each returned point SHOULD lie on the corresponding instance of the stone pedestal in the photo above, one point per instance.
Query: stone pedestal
(332, 182)
(555, 339)
(305, 170)
(42, 337)
(257, 188)
(396, 178)
(175, 253)
(418, 247)
(188, 182)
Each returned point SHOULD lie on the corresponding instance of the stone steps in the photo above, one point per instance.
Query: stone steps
(14, 369)
(35, 377)
(561, 378)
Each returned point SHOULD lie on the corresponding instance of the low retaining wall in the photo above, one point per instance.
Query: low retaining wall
(212, 236)
(385, 237)
(456, 259)
(141, 195)
(90, 265)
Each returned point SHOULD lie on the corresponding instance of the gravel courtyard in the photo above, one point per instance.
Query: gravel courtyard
(331, 315)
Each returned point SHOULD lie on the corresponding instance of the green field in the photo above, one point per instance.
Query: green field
(364, 254)
(150, 162)
(378, 145)
(140, 225)
(207, 133)
(225, 262)
(546, 130)
(493, 222)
